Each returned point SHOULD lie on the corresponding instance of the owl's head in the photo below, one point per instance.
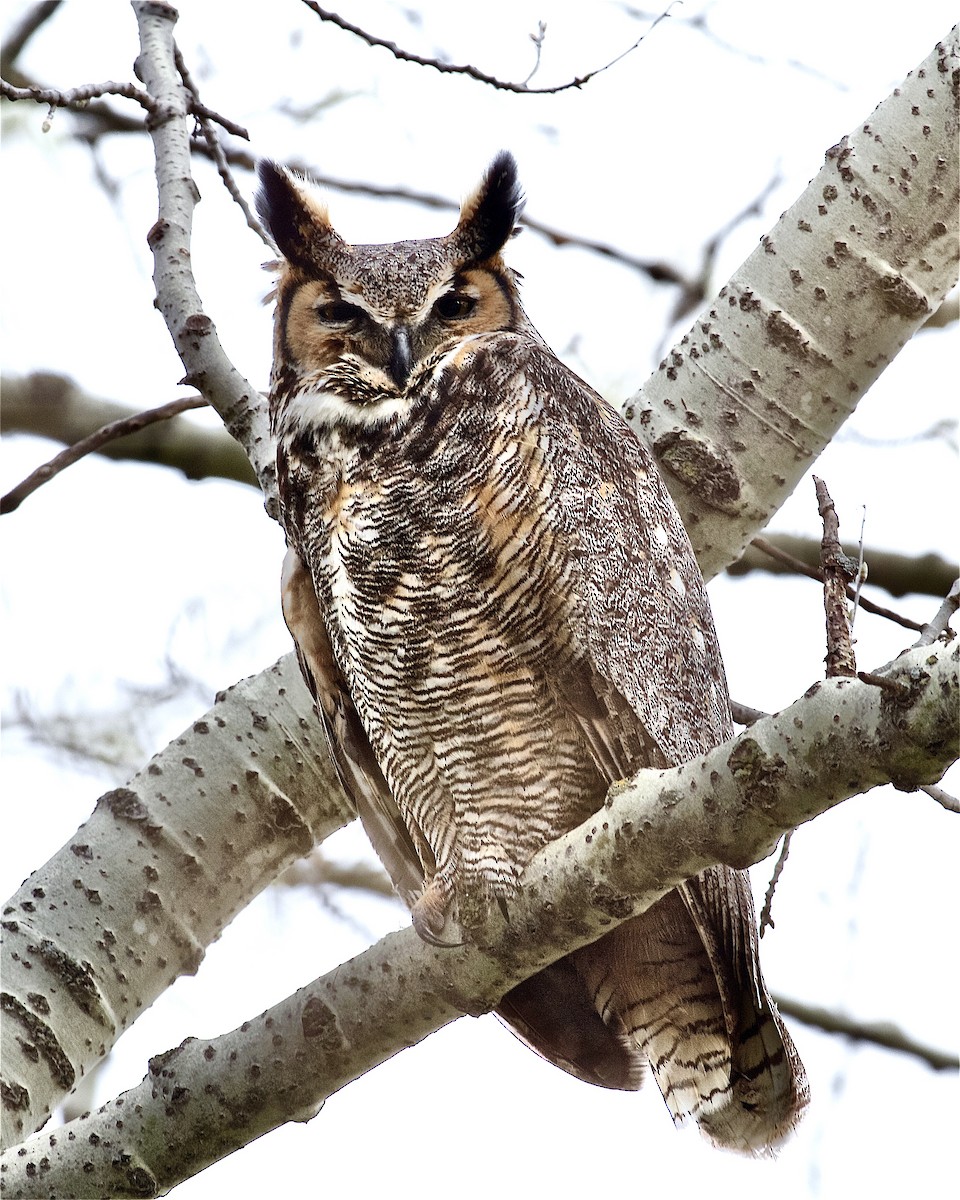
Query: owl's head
(359, 327)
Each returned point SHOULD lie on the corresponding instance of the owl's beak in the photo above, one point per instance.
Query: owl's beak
(401, 357)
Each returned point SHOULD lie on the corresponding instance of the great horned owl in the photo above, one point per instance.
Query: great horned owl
(498, 613)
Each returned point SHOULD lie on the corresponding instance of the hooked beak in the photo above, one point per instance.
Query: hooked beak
(401, 357)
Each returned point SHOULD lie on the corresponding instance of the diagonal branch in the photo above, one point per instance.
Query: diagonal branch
(94, 442)
(746, 400)
(729, 806)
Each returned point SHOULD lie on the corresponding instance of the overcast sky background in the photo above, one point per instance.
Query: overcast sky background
(115, 571)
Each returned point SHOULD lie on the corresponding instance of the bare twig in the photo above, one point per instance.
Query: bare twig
(942, 797)
(766, 913)
(108, 433)
(838, 570)
(79, 97)
(801, 568)
(467, 69)
(898, 574)
(941, 622)
(537, 39)
(59, 98)
(695, 288)
(860, 577)
(52, 406)
(319, 871)
(879, 1033)
(99, 120)
(208, 131)
(743, 714)
(882, 681)
(700, 23)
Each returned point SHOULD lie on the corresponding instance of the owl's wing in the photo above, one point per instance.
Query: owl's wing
(353, 757)
(682, 982)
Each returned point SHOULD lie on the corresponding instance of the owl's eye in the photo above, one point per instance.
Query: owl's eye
(454, 306)
(339, 312)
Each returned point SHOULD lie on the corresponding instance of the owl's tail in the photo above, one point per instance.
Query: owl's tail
(679, 989)
(683, 982)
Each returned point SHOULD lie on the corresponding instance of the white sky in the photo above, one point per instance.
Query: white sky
(116, 567)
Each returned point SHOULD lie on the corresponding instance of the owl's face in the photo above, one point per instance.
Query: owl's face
(359, 328)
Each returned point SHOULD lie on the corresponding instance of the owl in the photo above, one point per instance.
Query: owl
(498, 613)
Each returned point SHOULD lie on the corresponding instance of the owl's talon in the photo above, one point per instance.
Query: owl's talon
(430, 914)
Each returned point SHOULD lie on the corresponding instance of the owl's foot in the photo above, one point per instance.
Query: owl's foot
(431, 913)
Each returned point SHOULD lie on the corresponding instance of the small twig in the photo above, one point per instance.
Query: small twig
(695, 288)
(467, 69)
(205, 120)
(200, 110)
(116, 429)
(101, 120)
(79, 97)
(941, 622)
(861, 575)
(318, 871)
(57, 98)
(950, 803)
(898, 574)
(743, 714)
(837, 570)
(879, 1033)
(537, 39)
(766, 914)
(802, 568)
(884, 681)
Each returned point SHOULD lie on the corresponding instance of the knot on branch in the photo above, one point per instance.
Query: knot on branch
(702, 467)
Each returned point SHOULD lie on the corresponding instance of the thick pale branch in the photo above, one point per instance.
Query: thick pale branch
(743, 403)
(152, 878)
(841, 738)
(194, 334)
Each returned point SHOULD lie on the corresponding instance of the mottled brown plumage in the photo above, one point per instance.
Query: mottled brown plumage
(498, 612)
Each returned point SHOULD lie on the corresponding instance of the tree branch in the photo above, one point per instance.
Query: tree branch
(899, 574)
(941, 621)
(68, 98)
(96, 441)
(52, 406)
(879, 1033)
(194, 334)
(167, 862)
(730, 805)
(743, 403)
(837, 570)
(472, 72)
(318, 872)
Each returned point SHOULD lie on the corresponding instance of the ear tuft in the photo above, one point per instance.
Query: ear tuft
(295, 218)
(489, 216)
